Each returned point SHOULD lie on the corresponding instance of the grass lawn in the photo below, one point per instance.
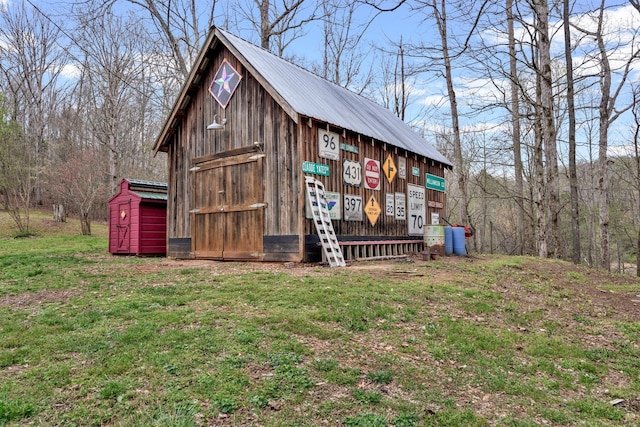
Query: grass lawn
(87, 338)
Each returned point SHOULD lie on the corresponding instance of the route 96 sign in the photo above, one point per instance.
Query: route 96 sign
(328, 144)
(351, 172)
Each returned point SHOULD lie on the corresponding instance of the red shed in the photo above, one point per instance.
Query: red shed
(138, 218)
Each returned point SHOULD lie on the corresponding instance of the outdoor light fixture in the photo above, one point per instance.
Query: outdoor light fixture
(215, 125)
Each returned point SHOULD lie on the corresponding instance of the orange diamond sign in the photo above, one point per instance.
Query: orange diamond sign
(389, 168)
(372, 209)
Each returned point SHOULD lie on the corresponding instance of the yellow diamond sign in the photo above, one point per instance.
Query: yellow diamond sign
(372, 209)
(389, 169)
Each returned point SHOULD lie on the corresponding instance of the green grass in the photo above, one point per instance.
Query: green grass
(91, 339)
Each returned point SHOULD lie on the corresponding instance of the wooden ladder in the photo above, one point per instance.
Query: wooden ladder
(322, 220)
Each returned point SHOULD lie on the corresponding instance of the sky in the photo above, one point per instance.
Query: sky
(429, 92)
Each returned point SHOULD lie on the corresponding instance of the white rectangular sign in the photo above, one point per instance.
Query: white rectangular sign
(328, 145)
(352, 208)
(389, 205)
(333, 204)
(417, 209)
(435, 218)
(402, 167)
(401, 206)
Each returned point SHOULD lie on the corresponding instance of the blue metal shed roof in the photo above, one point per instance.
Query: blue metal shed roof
(312, 96)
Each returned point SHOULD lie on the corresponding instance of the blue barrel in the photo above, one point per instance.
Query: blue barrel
(448, 240)
(459, 244)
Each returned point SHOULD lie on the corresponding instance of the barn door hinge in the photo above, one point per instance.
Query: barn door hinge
(194, 169)
(257, 205)
(194, 211)
(257, 156)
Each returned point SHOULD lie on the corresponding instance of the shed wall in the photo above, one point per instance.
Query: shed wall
(385, 226)
(152, 228)
(254, 119)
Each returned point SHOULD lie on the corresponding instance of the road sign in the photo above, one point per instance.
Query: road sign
(372, 209)
(401, 206)
(390, 207)
(315, 168)
(402, 168)
(328, 145)
(351, 172)
(435, 182)
(371, 174)
(389, 169)
(352, 207)
(417, 209)
(334, 206)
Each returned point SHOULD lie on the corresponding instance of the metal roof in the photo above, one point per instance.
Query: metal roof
(312, 96)
(151, 196)
(148, 184)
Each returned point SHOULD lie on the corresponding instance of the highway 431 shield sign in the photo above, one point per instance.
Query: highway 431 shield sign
(351, 172)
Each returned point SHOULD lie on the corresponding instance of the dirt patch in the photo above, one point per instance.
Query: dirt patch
(30, 299)
(590, 286)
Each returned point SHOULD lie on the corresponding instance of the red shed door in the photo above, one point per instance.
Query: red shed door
(228, 213)
(124, 227)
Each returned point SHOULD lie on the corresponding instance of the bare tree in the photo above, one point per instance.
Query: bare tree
(17, 174)
(515, 128)
(636, 149)
(282, 21)
(112, 71)
(31, 60)
(182, 25)
(80, 183)
(547, 117)
(573, 174)
(438, 11)
(608, 112)
(343, 54)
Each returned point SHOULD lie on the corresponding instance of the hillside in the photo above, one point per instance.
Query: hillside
(91, 339)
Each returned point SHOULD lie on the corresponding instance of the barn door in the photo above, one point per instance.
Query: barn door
(124, 227)
(228, 212)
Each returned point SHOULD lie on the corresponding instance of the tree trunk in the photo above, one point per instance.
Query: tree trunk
(265, 25)
(540, 188)
(85, 224)
(59, 214)
(573, 175)
(548, 127)
(603, 142)
(441, 20)
(515, 128)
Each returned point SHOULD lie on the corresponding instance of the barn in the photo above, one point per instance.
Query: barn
(245, 131)
(138, 218)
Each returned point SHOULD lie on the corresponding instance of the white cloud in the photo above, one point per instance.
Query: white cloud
(70, 71)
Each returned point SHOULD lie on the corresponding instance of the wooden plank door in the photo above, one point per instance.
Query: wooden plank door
(228, 211)
(124, 227)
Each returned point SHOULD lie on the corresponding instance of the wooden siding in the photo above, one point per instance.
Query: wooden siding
(153, 228)
(142, 228)
(385, 226)
(253, 119)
